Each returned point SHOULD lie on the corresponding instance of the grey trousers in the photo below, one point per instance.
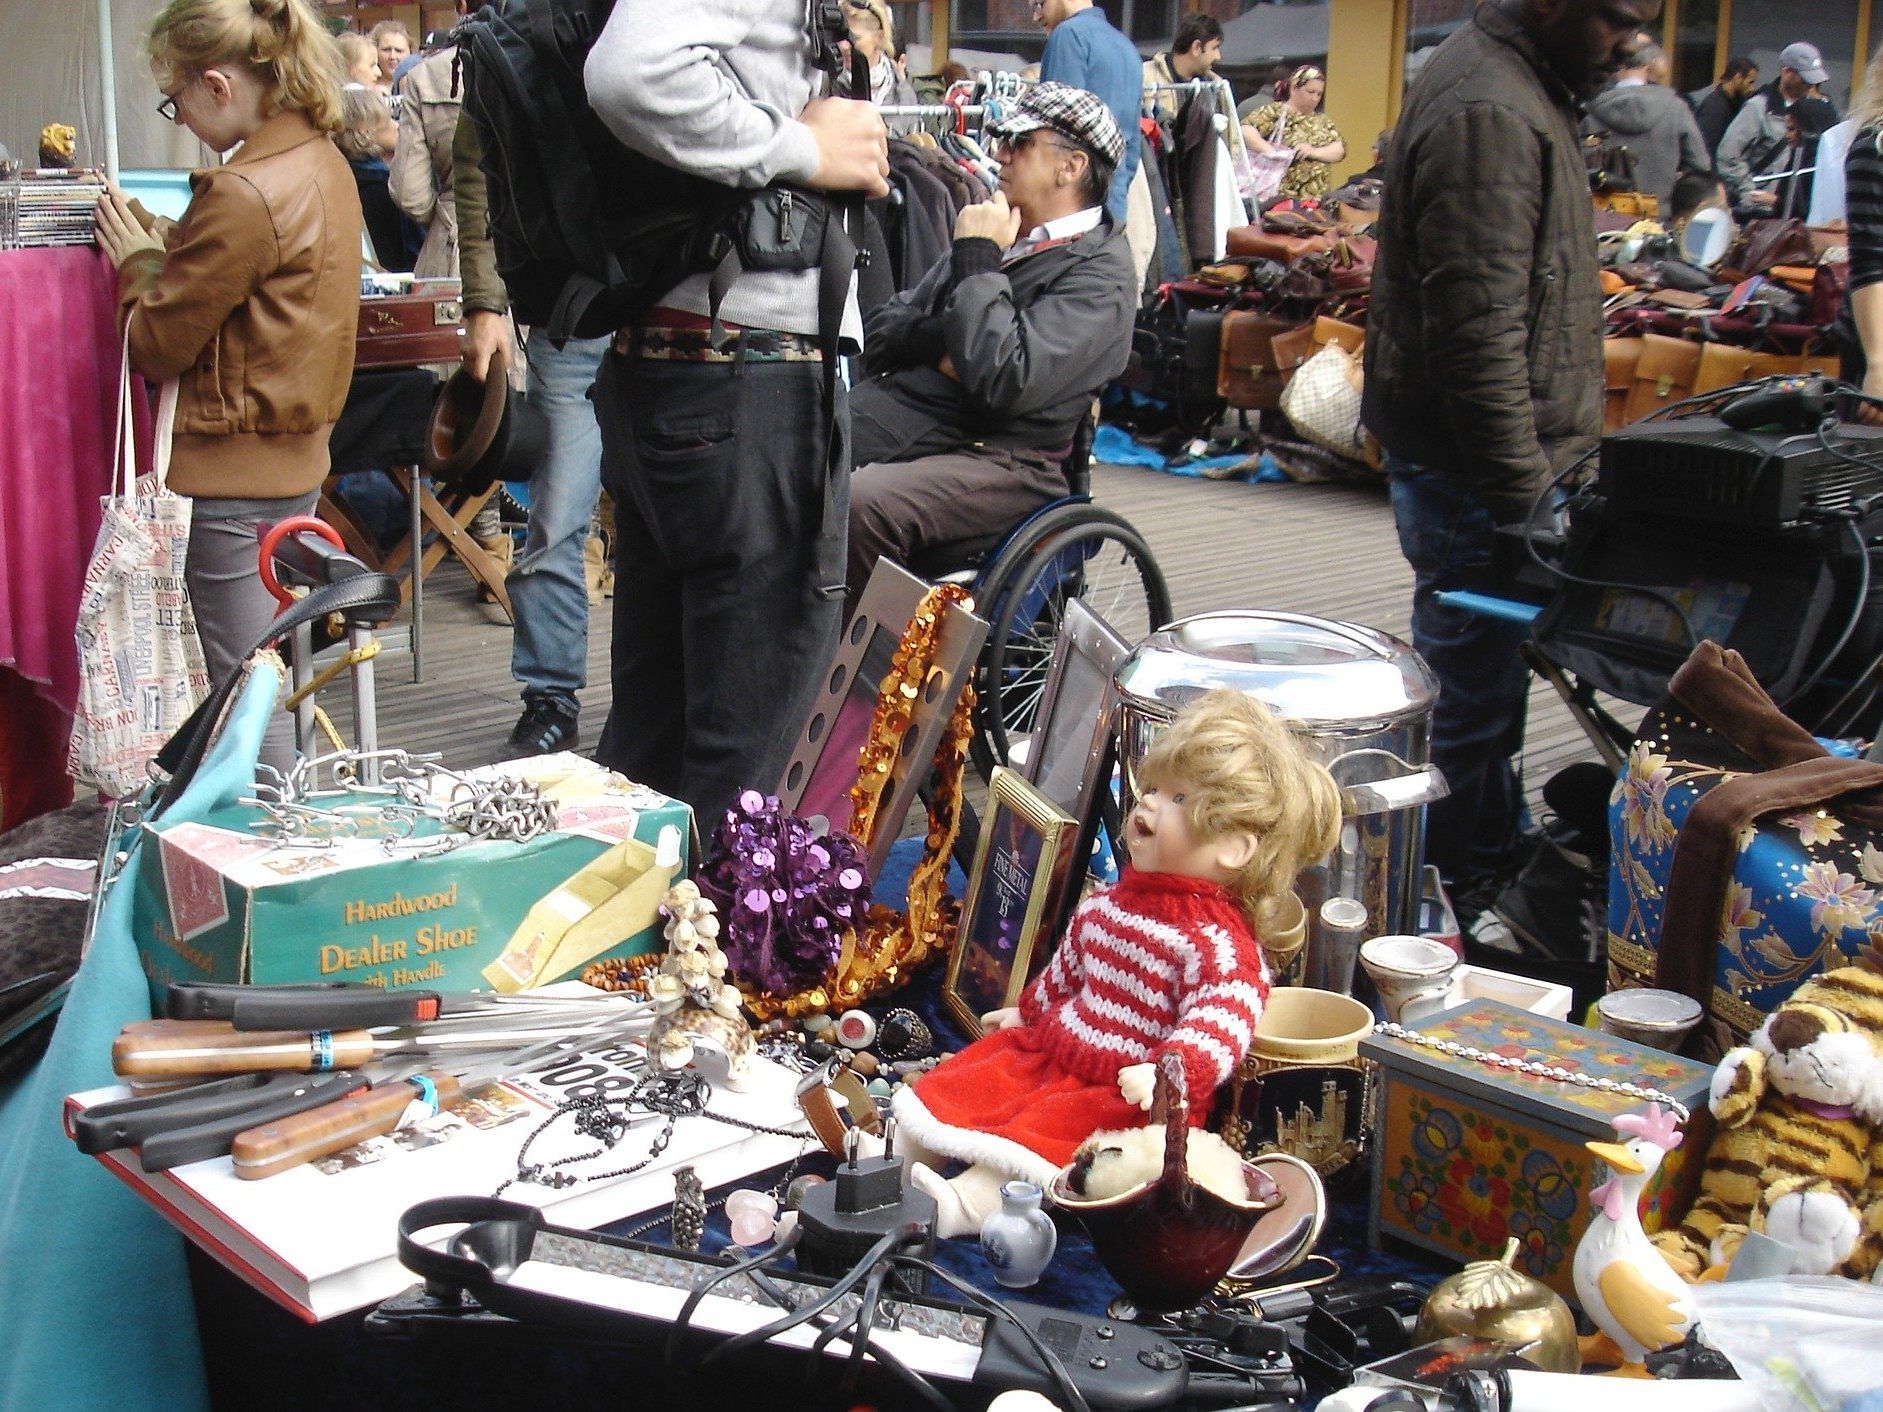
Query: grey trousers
(232, 608)
(899, 508)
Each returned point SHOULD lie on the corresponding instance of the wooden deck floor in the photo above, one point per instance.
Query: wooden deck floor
(1325, 550)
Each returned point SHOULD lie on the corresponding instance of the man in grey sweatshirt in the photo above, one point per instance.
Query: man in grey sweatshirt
(1654, 123)
(729, 551)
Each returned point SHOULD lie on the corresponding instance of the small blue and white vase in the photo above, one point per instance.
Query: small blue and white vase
(1019, 1239)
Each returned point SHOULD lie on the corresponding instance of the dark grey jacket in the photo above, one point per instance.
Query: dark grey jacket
(1657, 126)
(1484, 336)
(1033, 341)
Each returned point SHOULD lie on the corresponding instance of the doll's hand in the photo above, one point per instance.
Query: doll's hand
(1137, 1083)
(1008, 1019)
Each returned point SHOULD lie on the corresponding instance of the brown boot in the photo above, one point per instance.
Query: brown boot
(502, 550)
(597, 569)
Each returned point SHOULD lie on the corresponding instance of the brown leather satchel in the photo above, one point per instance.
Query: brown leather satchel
(1248, 368)
(1619, 358)
(1253, 241)
(1663, 375)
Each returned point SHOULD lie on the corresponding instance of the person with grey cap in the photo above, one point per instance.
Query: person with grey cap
(1755, 143)
(977, 379)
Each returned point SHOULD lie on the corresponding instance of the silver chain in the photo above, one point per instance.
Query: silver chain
(1535, 1070)
(411, 788)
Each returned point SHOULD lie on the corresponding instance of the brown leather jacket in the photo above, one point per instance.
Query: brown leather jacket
(254, 307)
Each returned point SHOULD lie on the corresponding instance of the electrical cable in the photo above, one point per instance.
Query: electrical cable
(860, 1325)
(1073, 1399)
(1558, 571)
(1851, 707)
(751, 1338)
(914, 1381)
(682, 1322)
(1850, 624)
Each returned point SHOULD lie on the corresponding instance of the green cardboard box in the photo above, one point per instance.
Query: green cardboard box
(224, 900)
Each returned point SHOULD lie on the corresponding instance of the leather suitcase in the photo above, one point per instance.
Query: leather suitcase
(1248, 369)
(409, 331)
(1253, 241)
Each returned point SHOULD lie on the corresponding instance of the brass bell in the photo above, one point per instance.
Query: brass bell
(1492, 1299)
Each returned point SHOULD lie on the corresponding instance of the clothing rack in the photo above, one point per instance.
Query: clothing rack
(1226, 106)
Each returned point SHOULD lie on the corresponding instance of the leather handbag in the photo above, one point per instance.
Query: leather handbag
(1352, 265)
(1292, 349)
(1298, 222)
(1349, 336)
(1829, 241)
(1248, 369)
(409, 331)
(1663, 375)
(1722, 365)
(1253, 241)
(1619, 358)
(1775, 242)
(1830, 287)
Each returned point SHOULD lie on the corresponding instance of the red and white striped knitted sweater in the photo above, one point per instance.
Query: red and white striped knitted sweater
(1159, 963)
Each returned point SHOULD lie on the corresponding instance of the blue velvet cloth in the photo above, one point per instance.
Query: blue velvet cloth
(93, 1292)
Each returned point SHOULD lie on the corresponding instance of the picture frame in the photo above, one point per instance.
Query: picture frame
(817, 779)
(1071, 753)
(1022, 867)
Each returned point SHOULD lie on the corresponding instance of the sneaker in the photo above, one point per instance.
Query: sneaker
(545, 727)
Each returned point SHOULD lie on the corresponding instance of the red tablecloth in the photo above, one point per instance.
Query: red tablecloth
(58, 404)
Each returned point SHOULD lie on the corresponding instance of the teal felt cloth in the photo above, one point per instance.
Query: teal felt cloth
(94, 1296)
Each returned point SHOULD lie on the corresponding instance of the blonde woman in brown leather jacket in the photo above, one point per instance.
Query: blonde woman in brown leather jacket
(251, 301)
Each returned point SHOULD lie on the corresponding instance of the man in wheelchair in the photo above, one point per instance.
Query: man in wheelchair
(979, 376)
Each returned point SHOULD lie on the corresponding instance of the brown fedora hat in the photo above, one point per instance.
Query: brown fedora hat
(482, 432)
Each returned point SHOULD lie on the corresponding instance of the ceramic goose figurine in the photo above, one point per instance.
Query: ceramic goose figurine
(1627, 1289)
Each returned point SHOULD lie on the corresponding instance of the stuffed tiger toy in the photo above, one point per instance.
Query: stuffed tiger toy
(1798, 1153)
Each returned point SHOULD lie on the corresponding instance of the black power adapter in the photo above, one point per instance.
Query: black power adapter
(842, 1218)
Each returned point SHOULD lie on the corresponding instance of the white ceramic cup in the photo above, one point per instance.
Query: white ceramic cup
(1413, 974)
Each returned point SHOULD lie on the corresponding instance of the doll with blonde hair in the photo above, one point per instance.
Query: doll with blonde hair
(1166, 961)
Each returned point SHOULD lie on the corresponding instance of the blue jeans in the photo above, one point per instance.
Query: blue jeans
(548, 587)
(1448, 536)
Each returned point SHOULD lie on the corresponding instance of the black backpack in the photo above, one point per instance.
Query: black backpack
(588, 233)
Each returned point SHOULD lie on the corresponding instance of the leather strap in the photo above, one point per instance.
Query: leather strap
(834, 1101)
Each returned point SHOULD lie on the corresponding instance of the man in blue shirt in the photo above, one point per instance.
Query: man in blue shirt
(1083, 49)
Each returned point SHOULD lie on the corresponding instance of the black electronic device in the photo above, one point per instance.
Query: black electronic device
(511, 1262)
(1703, 470)
(1769, 596)
(844, 1217)
(1785, 404)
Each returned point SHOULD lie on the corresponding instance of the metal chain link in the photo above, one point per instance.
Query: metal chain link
(1533, 1069)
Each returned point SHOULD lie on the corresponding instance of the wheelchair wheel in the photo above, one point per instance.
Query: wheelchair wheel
(1073, 551)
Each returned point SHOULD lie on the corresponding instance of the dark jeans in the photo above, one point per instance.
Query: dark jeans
(1448, 536)
(720, 637)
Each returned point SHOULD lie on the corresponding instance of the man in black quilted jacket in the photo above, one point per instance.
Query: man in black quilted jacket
(1484, 362)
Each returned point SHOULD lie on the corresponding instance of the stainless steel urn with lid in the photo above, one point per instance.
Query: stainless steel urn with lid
(1360, 698)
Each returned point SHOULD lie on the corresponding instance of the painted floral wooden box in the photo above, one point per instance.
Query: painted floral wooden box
(1466, 1153)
